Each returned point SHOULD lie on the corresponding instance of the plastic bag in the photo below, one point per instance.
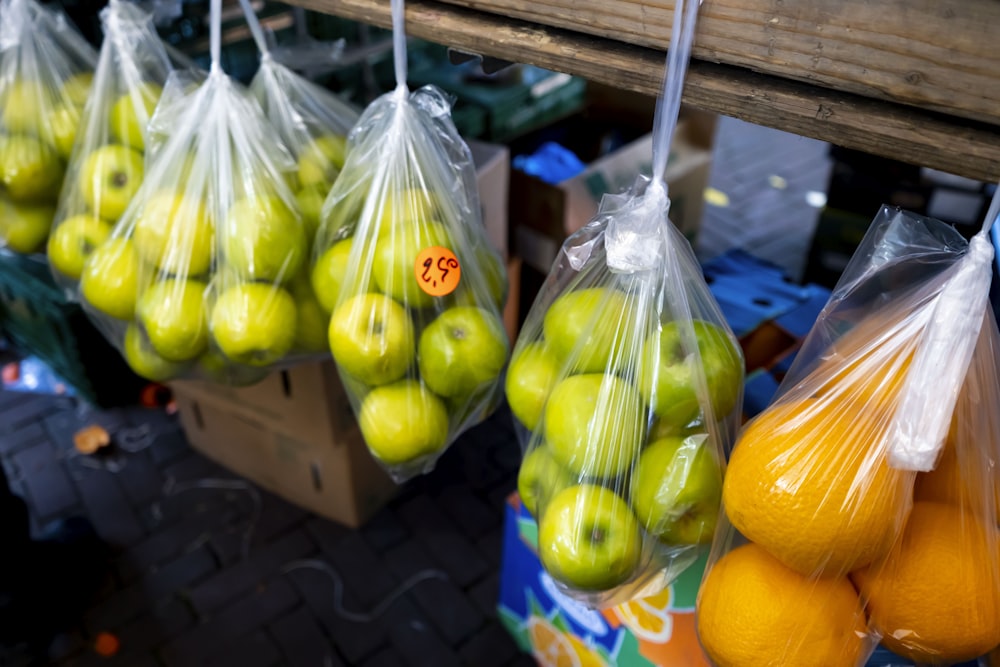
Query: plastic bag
(841, 533)
(45, 75)
(106, 165)
(201, 274)
(312, 122)
(627, 382)
(416, 290)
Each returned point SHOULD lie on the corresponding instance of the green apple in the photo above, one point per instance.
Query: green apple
(396, 255)
(172, 313)
(591, 328)
(403, 422)
(312, 322)
(372, 339)
(310, 202)
(23, 105)
(174, 232)
(462, 350)
(145, 361)
(329, 274)
(677, 489)
(254, 323)
(131, 113)
(29, 169)
(217, 368)
(110, 279)
(672, 393)
(589, 539)
(321, 161)
(24, 225)
(495, 273)
(262, 239)
(76, 89)
(595, 424)
(64, 121)
(662, 428)
(408, 206)
(539, 478)
(73, 241)
(109, 178)
(532, 374)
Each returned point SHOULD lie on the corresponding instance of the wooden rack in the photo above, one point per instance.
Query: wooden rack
(915, 80)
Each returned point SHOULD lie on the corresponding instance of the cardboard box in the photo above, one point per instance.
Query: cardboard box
(493, 178)
(545, 214)
(293, 434)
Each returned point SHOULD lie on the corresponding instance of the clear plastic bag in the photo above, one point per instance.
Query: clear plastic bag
(414, 289)
(839, 532)
(46, 69)
(106, 165)
(627, 385)
(202, 274)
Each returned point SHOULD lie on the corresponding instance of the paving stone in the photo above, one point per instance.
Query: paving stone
(472, 516)
(163, 623)
(32, 409)
(362, 570)
(23, 437)
(264, 563)
(65, 646)
(522, 660)
(277, 517)
(61, 426)
(256, 650)
(491, 546)
(490, 647)
(195, 467)
(108, 508)
(485, 594)
(302, 642)
(327, 534)
(168, 542)
(384, 658)
(168, 448)
(449, 548)
(141, 482)
(264, 604)
(384, 530)
(413, 637)
(454, 617)
(50, 491)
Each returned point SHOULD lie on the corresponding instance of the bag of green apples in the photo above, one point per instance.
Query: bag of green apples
(627, 385)
(200, 274)
(416, 291)
(106, 165)
(46, 68)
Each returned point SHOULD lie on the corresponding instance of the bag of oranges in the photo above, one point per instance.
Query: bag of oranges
(199, 275)
(626, 382)
(46, 69)
(863, 501)
(106, 167)
(413, 288)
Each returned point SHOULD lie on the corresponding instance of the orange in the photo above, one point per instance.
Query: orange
(550, 647)
(754, 611)
(648, 618)
(936, 600)
(808, 480)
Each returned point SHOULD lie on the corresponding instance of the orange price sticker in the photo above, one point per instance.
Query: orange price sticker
(437, 270)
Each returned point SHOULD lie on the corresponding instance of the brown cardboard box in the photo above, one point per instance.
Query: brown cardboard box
(493, 178)
(545, 215)
(293, 434)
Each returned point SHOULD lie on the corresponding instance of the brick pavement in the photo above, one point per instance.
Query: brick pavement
(182, 591)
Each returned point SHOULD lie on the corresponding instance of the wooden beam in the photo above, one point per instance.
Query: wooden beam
(901, 132)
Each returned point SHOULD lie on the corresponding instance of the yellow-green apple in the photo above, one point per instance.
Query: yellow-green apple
(589, 539)
(64, 121)
(407, 206)
(24, 104)
(595, 424)
(329, 274)
(593, 329)
(109, 178)
(662, 428)
(145, 361)
(262, 239)
(532, 374)
(29, 169)
(110, 279)
(172, 314)
(310, 202)
(131, 113)
(372, 339)
(667, 381)
(76, 89)
(218, 368)
(676, 490)
(175, 233)
(24, 225)
(396, 255)
(321, 161)
(311, 321)
(73, 241)
(461, 351)
(495, 273)
(403, 422)
(254, 323)
(539, 478)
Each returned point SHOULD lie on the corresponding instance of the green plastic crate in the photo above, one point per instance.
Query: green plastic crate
(38, 320)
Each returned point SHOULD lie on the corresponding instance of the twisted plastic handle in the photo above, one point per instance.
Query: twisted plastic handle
(399, 42)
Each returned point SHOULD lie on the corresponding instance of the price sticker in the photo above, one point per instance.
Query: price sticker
(437, 271)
